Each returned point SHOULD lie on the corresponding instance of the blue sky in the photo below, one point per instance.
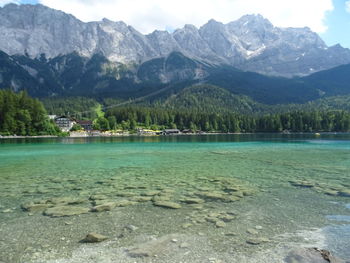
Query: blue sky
(329, 18)
(338, 22)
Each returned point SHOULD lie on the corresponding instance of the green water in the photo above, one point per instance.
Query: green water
(264, 202)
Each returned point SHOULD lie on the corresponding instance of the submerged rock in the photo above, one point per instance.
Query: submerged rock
(220, 224)
(161, 198)
(98, 197)
(151, 193)
(94, 238)
(192, 200)
(213, 196)
(167, 204)
(32, 207)
(104, 207)
(65, 200)
(60, 211)
(152, 248)
(252, 231)
(141, 199)
(305, 184)
(131, 228)
(312, 255)
(123, 203)
(345, 193)
(126, 194)
(257, 241)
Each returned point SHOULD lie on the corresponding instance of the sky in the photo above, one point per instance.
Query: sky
(329, 18)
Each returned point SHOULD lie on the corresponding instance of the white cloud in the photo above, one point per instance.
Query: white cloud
(5, 2)
(147, 15)
(347, 6)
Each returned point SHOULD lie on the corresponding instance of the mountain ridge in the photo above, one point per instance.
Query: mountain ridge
(250, 43)
(74, 75)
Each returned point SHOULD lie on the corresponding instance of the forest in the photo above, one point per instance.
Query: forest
(296, 121)
(23, 115)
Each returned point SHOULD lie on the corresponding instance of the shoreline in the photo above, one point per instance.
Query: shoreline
(171, 135)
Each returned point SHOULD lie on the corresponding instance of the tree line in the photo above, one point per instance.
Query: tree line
(296, 121)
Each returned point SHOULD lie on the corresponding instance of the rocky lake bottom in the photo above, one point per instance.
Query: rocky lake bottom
(224, 198)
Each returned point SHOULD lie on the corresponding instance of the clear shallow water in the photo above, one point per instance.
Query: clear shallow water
(261, 166)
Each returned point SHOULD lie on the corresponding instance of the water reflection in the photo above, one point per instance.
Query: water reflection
(296, 138)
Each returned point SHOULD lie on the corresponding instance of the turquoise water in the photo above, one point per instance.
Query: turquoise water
(292, 190)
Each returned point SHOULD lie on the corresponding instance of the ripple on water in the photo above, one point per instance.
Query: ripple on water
(339, 218)
(337, 239)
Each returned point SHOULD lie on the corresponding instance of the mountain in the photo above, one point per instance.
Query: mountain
(164, 80)
(251, 43)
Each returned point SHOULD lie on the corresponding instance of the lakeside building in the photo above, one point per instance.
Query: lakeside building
(148, 132)
(85, 124)
(64, 123)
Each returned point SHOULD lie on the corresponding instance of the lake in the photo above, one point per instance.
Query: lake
(211, 198)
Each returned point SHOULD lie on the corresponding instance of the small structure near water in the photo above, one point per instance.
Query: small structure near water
(85, 124)
(64, 123)
(171, 131)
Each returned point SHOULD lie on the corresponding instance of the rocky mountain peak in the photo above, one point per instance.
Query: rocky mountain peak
(251, 43)
(190, 27)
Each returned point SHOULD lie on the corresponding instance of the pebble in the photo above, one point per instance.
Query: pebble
(220, 224)
(186, 225)
(252, 231)
(184, 245)
(131, 228)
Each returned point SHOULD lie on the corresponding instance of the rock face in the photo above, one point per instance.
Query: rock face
(251, 43)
